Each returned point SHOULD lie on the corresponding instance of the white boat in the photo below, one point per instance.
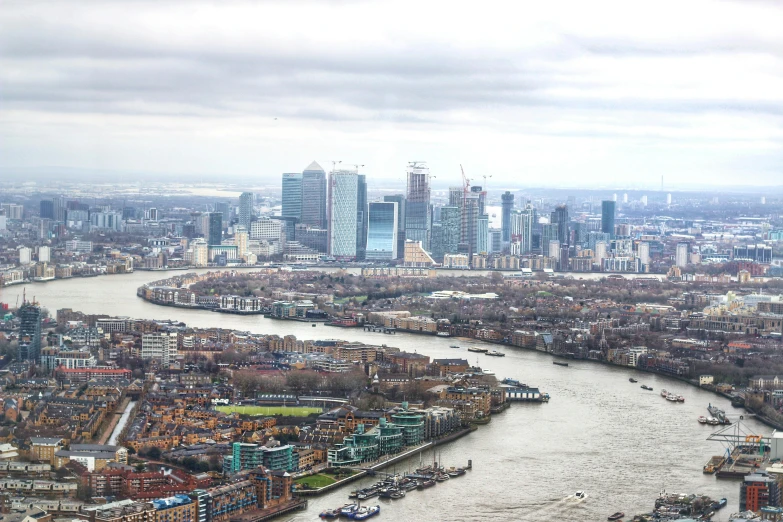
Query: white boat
(664, 393)
(488, 372)
(443, 334)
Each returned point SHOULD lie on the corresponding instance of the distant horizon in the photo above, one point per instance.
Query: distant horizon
(44, 174)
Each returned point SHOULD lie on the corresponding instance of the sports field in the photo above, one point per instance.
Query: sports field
(316, 481)
(298, 411)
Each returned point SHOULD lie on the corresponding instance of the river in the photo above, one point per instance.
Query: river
(599, 433)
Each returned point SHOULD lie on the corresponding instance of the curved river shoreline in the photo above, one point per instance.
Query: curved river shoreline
(599, 433)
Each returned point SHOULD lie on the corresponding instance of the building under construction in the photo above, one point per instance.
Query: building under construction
(29, 332)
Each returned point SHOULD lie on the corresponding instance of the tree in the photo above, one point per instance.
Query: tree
(154, 453)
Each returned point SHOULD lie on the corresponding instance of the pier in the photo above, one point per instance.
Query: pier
(381, 329)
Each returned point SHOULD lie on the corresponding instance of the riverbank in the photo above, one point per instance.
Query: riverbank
(370, 470)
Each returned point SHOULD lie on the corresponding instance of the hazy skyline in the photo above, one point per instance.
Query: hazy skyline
(592, 93)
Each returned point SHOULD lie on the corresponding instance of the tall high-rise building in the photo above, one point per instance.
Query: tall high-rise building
(47, 209)
(215, 232)
(644, 253)
(548, 234)
(60, 208)
(469, 217)
(224, 207)
(400, 200)
(522, 230)
(482, 198)
(342, 197)
(361, 216)
(382, 231)
(451, 229)
(681, 254)
(507, 205)
(29, 333)
(495, 240)
(418, 213)
(246, 213)
(560, 218)
(456, 195)
(482, 234)
(314, 196)
(292, 196)
(607, 217)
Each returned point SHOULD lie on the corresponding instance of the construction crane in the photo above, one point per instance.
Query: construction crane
(485, 181)
(465, 183)
(357, 166)
(334, 164)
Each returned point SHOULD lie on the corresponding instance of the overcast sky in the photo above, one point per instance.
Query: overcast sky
(596, 93)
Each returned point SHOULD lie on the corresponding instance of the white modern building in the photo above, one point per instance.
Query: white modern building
(343, 197)
(159, 346)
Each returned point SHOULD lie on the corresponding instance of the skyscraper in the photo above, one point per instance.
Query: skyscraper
(469, 217)
(507, 200)
(607, 217)
(382, 231)
(681, 254)
(400, 200)
(47, 209)
(361, 216)
(482, 234)
(224, 207)
(522, 230)
(215, 235)
(29, 333)
(292, 196)
(343, 195)
(246, 209)
(456, 195)
(548, 234)
(418, 214)
(451, 228)
(314, 196)
(560, 218)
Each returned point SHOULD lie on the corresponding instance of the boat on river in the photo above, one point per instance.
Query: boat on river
(366, 512)
(616, 516)
(559, 363)
(645, 387)
(426, 484)
(476, 349)
(702, 419)
(632, 380)
(495, 353)
(349, 509)
(454, 346)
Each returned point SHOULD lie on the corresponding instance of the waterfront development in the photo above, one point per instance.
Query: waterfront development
(599, 433)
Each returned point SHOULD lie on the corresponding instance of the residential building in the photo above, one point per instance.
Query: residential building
(418, 213)
(451, 223)
(178, 508)
(681, 255)
(507, 205)
(607, 217)
(759, 490)
(29, 348)
(246, 213)
(415, 255)
(159, 346)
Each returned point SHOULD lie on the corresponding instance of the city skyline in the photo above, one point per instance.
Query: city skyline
(561, 94)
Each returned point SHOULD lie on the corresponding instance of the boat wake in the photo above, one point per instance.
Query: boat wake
(552, 510)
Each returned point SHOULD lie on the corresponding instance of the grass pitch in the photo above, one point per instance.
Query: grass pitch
(288, 411)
